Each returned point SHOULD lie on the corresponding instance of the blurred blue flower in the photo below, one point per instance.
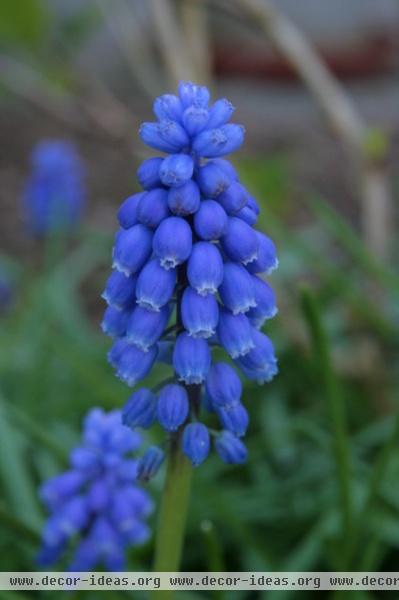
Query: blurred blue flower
(97, 503)
(55, 194)
(7, 291)
(188, 251)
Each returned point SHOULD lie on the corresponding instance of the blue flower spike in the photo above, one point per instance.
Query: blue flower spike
(97, 507)
(189, 275)
(54, 197)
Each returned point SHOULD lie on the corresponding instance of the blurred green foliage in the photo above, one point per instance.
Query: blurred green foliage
(320, 490)
(23, 24)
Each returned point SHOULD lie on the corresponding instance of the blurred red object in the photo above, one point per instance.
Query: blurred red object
(356, 38)
(376, 55)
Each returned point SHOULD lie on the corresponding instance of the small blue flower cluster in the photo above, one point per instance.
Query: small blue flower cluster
(7, 292)
(98, 498)
(55, 193)
(187, 247)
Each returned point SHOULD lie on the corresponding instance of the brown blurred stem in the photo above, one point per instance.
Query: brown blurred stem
(173, 46)
(98, 107)
(368, 147)
(24, 81)
(194, 23)
(123, 20)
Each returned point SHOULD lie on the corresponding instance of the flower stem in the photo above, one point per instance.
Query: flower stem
(172, 515)
(173, 512)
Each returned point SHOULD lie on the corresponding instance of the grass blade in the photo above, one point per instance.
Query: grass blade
(17, 483)
(332, 392)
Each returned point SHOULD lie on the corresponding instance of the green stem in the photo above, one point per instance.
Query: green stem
(173, 514)
(337, 412)
(54, 250)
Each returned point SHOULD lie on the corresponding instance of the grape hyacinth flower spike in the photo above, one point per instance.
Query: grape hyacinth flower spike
(55, 193)
(188, 275)
(97, 505)
(187, 250)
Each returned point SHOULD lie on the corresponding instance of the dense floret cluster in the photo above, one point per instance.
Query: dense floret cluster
(187, 253)
(98, 499)
(55, 193)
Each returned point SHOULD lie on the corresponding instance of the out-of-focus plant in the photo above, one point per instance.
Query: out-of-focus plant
(55, 192)
(23, 29)
(7, 291)
(97, 499)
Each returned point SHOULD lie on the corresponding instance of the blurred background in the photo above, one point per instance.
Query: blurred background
(316, 85)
